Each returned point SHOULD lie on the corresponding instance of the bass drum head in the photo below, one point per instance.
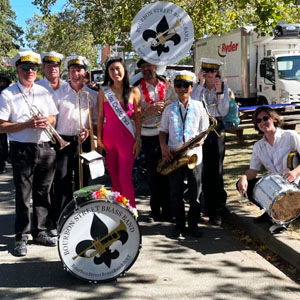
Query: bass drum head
(99, 241)
(286, 208)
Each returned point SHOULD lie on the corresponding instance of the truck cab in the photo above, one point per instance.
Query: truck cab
(278, 77)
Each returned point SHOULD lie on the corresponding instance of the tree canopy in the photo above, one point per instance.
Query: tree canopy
(10, 33)
(63, 32)
(110, 21)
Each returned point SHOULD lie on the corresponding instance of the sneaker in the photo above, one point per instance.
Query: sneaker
(44, 239)
(20, 247)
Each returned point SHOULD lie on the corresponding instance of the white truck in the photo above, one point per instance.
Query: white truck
(259, 69)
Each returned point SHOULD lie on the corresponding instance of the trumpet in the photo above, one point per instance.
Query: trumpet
(161, 39)
(52, 134)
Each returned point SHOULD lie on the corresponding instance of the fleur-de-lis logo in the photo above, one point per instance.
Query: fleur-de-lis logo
(98, 248)
(161, 36)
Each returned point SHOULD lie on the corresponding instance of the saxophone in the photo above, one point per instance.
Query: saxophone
(180, 157)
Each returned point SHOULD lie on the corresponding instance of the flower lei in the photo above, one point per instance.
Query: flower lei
(161, 86)
(115, 197)
(177, 122)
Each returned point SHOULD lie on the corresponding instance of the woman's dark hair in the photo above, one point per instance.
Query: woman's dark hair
(270, 112)
(108, 80)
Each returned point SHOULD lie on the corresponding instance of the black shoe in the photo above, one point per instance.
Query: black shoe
(53, 232)
(154, 218)
(217, 220)
(44, 239)
(177, 232)
(2, 171)
(204, 219)
(264, 218)
(20, 247)
(195, 232)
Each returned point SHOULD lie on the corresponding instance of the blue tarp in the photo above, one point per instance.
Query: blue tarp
(241, 108)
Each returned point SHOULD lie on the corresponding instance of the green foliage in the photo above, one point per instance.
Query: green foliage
(109, 21)
(9, 32)
(64, 32)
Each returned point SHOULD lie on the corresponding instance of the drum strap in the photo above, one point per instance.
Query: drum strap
(270, 164)
(117, 108)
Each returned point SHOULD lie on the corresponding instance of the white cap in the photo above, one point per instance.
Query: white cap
(76, 60)
(52, 57)
(184, 76)
(210, 63)
(26, 56)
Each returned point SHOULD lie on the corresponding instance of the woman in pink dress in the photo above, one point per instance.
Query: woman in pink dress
(118, 105)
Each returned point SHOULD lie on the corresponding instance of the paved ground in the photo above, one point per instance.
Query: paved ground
(216, 266)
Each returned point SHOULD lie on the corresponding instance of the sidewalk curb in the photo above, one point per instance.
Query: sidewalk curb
(282, 244)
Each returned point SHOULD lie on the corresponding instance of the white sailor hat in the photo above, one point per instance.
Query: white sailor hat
(210, 64)
(76, 60)
(52, 57)
(183, 76)
(26, 57)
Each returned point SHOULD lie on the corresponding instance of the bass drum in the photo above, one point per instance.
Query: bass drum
(279, 198)
(98, 240)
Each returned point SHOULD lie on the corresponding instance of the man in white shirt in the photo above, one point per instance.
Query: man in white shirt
(73, 126)
(182, 121)
(272, 152)
(51, 62)
(214, 93)
(153, 90)
(26, 110)
(51, 69)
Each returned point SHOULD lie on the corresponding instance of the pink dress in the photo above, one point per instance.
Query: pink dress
(119, 157)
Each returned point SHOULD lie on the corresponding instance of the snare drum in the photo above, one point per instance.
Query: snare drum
(98, 239)
(279, 198)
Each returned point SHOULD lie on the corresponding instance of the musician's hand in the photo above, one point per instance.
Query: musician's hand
(100, 148)
(39, 122)
(243, 185)
(201, 77)
(136, 148)
(155, 108)
(166, 153)
(290, 175)
(200, 143)
(83, 135)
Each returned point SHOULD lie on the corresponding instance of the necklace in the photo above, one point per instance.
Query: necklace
(161, 86)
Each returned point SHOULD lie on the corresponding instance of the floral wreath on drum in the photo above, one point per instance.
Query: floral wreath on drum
(115, 196)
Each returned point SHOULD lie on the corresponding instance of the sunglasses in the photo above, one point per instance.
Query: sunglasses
(186, 85)
(264, 118)
(209, 70)
(28, 67)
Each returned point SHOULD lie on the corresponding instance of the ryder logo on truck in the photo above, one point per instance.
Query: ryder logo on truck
(224, 49)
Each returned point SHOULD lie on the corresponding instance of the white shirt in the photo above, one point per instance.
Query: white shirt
(274, 158)
(67, 100)
(47, 84)
(151, 123)
(217, 108)
(15, 109)
(200, 123)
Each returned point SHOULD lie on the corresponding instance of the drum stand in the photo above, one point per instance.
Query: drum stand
(276, 228)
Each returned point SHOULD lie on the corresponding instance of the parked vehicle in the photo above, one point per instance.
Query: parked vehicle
(259, 69)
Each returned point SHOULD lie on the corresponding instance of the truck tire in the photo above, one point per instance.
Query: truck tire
(262, 101)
